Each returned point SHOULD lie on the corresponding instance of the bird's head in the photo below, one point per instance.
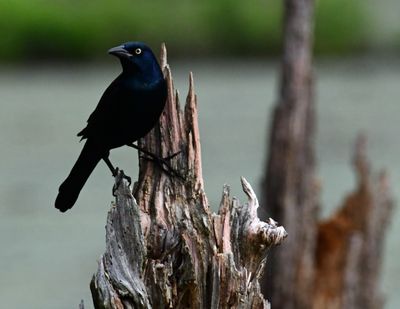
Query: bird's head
(136, 57)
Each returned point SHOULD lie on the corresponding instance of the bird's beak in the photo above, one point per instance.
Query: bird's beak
(119, 51)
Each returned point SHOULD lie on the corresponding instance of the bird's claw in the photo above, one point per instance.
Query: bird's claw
(169, 170)
(171, 156)
(165, 165)
(161, 162)
(120, 175)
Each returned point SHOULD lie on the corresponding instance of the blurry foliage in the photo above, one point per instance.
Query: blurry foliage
(82, 29)
(340, 26)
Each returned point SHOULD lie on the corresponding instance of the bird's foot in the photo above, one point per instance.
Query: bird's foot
(120, 175)
(167, 158)
(165, 165)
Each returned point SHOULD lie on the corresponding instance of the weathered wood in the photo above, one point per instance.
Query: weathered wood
(164, 247)
(290, 193)
(349, 247)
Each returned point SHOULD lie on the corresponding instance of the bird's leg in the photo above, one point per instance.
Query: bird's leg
(114, 172)
(152, 155)
(162, 162)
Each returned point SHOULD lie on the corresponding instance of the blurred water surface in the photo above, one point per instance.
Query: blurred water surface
(48, 258)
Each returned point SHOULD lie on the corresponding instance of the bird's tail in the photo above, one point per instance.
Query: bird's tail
(69, 190)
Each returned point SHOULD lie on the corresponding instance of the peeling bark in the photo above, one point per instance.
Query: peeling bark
(164, 246)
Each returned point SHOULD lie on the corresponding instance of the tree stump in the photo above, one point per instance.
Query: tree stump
(164, 246)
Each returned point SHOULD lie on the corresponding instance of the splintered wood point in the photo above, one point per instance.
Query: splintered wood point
(163, 55)
(164, 246)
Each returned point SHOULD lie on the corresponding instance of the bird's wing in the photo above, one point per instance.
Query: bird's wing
(106, 110)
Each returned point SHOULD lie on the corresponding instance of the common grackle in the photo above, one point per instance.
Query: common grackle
(127, 111)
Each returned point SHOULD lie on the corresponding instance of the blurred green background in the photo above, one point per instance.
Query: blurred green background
(54, 67)
(81, 30)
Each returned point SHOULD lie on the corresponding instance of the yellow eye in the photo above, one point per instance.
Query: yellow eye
(138, 51)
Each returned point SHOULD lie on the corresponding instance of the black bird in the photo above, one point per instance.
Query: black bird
(127, 111)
